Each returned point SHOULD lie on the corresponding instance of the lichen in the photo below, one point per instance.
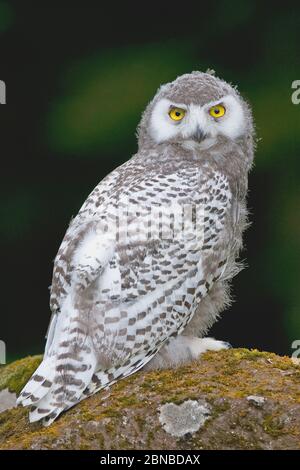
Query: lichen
(7, 400)
(188, 417)
(256, 400)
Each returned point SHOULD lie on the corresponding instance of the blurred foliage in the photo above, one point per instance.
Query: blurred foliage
(88, 82)
(106, 93)
(19, 214)
(6, 16)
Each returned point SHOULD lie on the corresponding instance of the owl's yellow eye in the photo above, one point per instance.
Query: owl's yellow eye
(217, 111)
(177, 114)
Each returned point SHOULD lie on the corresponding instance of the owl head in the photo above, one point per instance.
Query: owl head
(196, 111)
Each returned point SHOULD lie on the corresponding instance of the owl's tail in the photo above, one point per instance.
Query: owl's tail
(39, 384)
(57, 385)
(71, 371)
(49, 393)
(62, 377)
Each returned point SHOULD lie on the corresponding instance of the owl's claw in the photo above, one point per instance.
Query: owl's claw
(198, 346)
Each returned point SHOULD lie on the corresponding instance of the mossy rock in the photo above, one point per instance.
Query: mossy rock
(251, 398)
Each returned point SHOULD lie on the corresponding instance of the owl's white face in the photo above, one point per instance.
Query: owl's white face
(193, 123)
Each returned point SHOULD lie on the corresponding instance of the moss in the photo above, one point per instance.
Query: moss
(111, 413)
(126, 416)
(101, 441)
(150, 437)
(129, 401)
(273, 426)
(15, 375)
(140, 420)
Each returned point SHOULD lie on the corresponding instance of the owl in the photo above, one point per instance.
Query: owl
(145, 267)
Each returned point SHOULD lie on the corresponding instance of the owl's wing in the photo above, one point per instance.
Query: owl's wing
(141, 188)
(87, 260)
(163, 279)
(124, 300)
(86, 249)
(79, 227)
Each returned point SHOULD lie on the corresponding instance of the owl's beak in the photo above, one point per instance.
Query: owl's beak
(198, 135)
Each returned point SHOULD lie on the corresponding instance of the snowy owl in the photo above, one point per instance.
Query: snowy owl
(144, 268)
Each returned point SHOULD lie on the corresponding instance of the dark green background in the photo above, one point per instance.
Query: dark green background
(77, 81)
